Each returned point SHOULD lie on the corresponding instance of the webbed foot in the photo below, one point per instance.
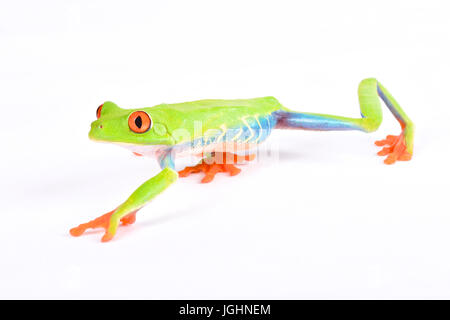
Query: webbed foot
(219, 162)
(103, 222)
(395, 149)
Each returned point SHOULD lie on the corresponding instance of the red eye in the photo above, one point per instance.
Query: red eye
(139, 122)
(99, 111)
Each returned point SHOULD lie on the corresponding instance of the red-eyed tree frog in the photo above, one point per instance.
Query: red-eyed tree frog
(220, 129)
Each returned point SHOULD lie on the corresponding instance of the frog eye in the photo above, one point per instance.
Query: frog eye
(99, 111)
(139, 122)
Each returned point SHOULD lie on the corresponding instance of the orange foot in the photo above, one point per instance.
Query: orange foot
(395, 149)
(219, 162)
(102, 222)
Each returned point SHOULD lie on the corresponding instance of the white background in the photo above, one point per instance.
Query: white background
(327, 220)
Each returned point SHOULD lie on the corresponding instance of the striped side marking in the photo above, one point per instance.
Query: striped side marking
(224, 131)
(260, 130)
(237, 135)
(249, 128)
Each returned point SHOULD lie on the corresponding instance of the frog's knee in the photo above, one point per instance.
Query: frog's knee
(371, 124)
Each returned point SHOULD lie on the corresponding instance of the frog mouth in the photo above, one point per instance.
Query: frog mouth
(143, 150)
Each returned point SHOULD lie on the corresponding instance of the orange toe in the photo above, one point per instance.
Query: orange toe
(395, 149)
(107, 236)
(390, 159)
(406, 156)
(129, 219)
(212, 170)
(385, 151)
(231, 169)
(100, 222)
(77, 231)
(207, 178)
(189, 170)
(390, 139)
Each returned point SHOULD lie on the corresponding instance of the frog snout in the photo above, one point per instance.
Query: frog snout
(95, 127)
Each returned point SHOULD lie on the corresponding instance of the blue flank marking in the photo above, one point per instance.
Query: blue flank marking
(259, 131)
(166, 160)
(260, 134)
(267, 123)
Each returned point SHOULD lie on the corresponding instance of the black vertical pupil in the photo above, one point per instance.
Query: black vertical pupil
(138, 122)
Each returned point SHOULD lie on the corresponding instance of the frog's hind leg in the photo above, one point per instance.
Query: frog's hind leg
(370, 90)
(217, 162)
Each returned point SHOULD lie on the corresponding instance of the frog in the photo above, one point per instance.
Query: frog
(224, 134)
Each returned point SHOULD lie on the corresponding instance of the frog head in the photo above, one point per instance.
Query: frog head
(129, 126)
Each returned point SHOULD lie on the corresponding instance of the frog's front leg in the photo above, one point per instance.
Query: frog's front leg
(102, 222)
(126, 212)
